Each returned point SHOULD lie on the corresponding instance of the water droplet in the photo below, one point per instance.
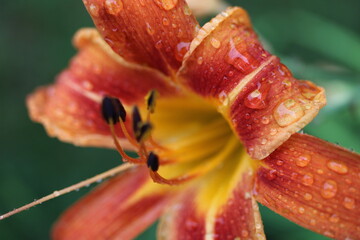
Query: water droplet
(94, 10)
(287, 83)
(301, 210)
(149, 29)
(237, 59)
(320, 171)
(264, 141)
(273, 131)
(308, 92)
(113, 6)
(329, 189)
(158, 44)
(244, 233)
(349, 203)
(334, 218)
(56, 193)
(181, 49)
(307, 196)
(271, 175)
(308, 179)
(187, 10)
(166, 4)
(337, 167)
(200, 60)
(165, 21)
(224, 98)
(279, 162)
(288, 112)
(255, 100)
(303, 160)
(215, 43)
(313, 222)
(329, 234)
(265, 120)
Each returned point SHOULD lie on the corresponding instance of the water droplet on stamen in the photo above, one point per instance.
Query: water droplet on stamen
(337, 167)
(215, 43)
(113, 6)
(349, 203)
(303, 160)
(56, 193)
(329, 189)
(288, 112)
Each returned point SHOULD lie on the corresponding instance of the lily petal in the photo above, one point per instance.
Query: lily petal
(227, 64)
(156, 33)
(70, 109)
(216, 208)
(118, 209)
(201, 8)
(315, 184)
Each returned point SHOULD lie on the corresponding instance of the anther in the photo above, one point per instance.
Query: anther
(151, 100)
(153, 162)
(143, 132)
(112, 110)
(136, 119)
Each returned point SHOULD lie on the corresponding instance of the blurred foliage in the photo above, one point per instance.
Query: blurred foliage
(318, 40)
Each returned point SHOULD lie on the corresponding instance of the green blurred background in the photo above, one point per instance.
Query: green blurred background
(319, 40)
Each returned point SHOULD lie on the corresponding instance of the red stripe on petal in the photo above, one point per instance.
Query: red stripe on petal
(271, 107)
(109, 211)
(225, 51)
(70, 109)
(150, 32)
(315, 184)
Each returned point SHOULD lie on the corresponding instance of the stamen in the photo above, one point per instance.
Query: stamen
(144, 132)
(77, 186)
(153, 165)
(136, 119)
(112, 110)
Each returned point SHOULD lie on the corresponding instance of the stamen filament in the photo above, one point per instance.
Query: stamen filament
(173, 181)
(79, 185)
(127, 135)
(120, 149)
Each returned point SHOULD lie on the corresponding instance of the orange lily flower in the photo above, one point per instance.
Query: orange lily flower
(223, 133)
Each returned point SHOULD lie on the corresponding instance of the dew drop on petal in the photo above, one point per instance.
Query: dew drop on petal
(265, 120)
(303, 160)
(200, 60)
(166, 4)
(181, 49)
(187, 10)
(329, 234)
(244, 233)
(224, 98)
(349, 203)
(94, 10)
(307, 196)
(329, 189)
(255, 100)
(113, 6)
(215, 43)
(334, 218)
(149, 29)
(337, 167)
(313, 222)
(271, 175)
(288, 112)
(301, 210)
(264, 141)
(165, 21)
(308, 179)
(273, 131)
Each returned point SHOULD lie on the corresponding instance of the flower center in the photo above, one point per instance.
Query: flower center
(183, 137)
